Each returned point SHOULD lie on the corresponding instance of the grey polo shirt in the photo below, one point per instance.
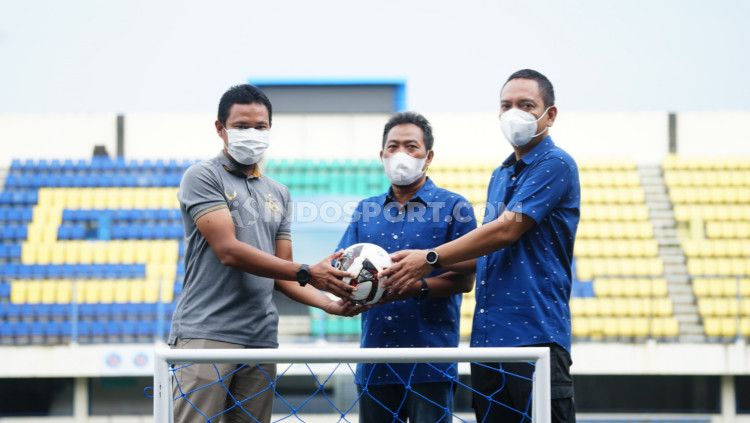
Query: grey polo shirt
(218, 302)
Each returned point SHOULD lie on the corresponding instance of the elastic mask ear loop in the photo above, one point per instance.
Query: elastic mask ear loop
(546, 127)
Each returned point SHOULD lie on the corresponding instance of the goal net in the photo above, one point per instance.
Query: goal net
(324, 387)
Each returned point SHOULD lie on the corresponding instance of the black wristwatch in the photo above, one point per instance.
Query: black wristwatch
(303, 275)
(432, 258)
(424, 291)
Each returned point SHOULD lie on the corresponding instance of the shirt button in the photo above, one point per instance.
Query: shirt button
(513, 178)
(481, 310)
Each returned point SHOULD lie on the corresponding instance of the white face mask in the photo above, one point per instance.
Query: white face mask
(403, 169)
(519, 127)
(247, 146)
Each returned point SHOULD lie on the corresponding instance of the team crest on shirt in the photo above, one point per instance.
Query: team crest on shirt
(273, 204)
(230, 197)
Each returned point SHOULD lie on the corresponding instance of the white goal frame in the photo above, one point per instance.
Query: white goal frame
(163, 357)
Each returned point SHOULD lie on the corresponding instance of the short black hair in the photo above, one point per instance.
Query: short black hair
(414, 118)
(545, 87)
(242, 94)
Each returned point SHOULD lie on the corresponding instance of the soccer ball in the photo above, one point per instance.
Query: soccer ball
(366, 261)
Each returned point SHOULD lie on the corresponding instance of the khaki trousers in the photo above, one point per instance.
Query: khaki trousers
(214, 389)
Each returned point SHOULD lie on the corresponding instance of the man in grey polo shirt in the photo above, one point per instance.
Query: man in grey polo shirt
(238, 251)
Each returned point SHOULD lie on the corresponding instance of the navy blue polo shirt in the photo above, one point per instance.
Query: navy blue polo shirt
(432, 217)
(523, 290)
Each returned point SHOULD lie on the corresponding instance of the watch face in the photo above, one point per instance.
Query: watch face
(303, 275)
(431, 257)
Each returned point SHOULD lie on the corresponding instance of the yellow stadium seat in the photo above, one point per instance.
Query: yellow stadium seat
(611, 326)
(29, 252)
(640, 327)
(465, 327)
(728, 327)
(625, 327)
(85, 253)
(136, 292)
(580, 327)
(620, 307)
(63, 292)
(107, 292)
(43, 254)
(122, 291)
(151, 292)
(590, 306)
(18, 292)
(49, 293)
(712, 326)
(34, 292)
(100, 255)
(57, 253)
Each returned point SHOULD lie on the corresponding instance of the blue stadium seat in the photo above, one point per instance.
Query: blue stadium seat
(128, 328)
(98, 328)
(41, 311)
(64, 231)
(52, 329)
(6, 330)
(84, 329)
(27, 311)
(12, 311)
(36, 329)
(103, 311)
(59, 311)
(4, 289)
(87, 311)
(119, 311)
(114, 328)
(146, 328)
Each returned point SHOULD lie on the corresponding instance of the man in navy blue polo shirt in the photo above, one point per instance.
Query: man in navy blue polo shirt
(414, 213)
(525, 252)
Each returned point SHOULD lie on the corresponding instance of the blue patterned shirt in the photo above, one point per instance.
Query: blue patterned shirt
(433, 217)
(523, 290)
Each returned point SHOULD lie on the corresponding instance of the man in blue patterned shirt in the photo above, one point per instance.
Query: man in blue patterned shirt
(414, 213)
(524, 251)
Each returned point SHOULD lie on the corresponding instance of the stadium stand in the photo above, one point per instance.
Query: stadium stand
(712, 208)
(91, 250)
(619, 290)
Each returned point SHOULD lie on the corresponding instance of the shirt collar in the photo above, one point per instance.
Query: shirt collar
(418, 197)
(235, 168)
(532, 155)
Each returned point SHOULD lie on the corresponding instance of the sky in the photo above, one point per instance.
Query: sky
(179, 56)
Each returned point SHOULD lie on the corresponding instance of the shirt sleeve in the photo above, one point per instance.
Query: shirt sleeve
(200, 192)
(545, 186)
(285, 228)
(351, 235)
(463, 220)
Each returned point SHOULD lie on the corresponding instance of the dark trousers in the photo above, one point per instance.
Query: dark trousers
(508, 387)
(425, 403)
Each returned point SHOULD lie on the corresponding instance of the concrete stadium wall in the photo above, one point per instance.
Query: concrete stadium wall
(55, 136)
(642, 137)
(713, 133)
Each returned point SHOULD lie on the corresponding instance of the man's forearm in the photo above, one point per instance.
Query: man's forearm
(449, 283)
(252, 260)
(307, 295)
(464, 267)
(490, 237)
(476, 243)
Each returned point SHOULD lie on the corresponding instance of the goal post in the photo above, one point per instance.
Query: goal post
(166, 357)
